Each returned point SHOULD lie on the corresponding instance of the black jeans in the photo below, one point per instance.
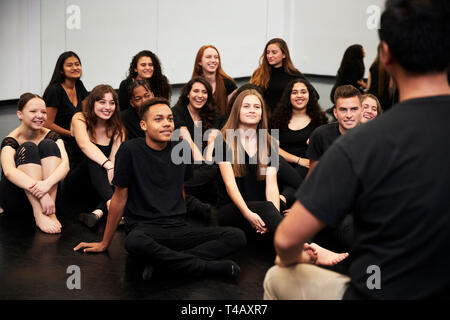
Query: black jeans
(86, 177)
(229, 215)
(182, 248)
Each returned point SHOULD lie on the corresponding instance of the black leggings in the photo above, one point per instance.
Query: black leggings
(13, 198)
(77, 183)
(229, 215)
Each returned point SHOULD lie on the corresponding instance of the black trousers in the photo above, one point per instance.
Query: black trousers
(89, 176)
(203, 183)
(182, 248)
(229, 215)
(289, 180)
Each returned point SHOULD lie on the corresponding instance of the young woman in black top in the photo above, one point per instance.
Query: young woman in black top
(351, 71)
(64, 94)
(139, 92)
(98, 132)
(34, 161)
(248, 195)
(196, 117)
(275, 71)
(208, 65)
(296, 116)
(145, 65)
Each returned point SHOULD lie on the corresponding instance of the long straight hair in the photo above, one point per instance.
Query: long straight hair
(262, 74)
(232, 125)
(114, 124)
(220, 95)
(58, 75)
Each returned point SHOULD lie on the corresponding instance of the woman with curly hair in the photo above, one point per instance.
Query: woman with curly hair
(208, 65)
(145, 65)
(296, 116)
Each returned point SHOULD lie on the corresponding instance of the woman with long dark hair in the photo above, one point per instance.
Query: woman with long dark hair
(195, 116)
(98, 133)
(296, 116)
(145, 65)
(64, 94)
(351, 71)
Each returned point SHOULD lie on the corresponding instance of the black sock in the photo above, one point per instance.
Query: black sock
(225, 269)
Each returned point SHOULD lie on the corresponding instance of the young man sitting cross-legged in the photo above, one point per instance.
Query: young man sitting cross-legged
(149, 193)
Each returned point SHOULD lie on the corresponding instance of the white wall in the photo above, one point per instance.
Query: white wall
(20, 59)
(107, 33)
(324, 29)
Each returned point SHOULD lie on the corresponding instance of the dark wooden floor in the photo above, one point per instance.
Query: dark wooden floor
(34, 265)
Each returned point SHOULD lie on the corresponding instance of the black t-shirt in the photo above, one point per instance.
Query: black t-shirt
(321, 139)
(182, 118)
(56, 96)
(250, 188)
(294, 141)
(394, 174)
(279, 79)
(230, 85)
(124, 96)
(154, 180)
(131, 120)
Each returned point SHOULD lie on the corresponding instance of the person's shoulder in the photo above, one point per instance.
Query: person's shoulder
(326, 128)
(133, 143)
(53, 88)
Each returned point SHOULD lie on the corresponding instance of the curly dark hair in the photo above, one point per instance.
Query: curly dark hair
(208, 113)
(158, 82)
(283, 112)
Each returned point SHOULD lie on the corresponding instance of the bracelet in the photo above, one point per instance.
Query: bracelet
(103, 165)
(110, 168)
(299, 160)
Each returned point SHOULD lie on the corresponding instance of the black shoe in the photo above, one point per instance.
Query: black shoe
(148, 272)
(235, 271)
(89, 219)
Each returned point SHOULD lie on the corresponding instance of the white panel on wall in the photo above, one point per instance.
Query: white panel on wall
(53, 37)
(20, 42)
(106, 34)
(236, 28)
(324, 29)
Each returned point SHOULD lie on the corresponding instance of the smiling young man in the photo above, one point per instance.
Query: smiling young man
(149, 193)
(347, 111)
(393, 172)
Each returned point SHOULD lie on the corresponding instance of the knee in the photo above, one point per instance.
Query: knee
(236, 237)
(48, 148)
(27, 153)
(136, 242)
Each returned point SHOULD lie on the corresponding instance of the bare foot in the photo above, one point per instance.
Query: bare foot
(48, 224)
(326, 257)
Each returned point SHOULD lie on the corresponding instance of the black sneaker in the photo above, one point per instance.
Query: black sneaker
(89, 219)
(148, 272)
